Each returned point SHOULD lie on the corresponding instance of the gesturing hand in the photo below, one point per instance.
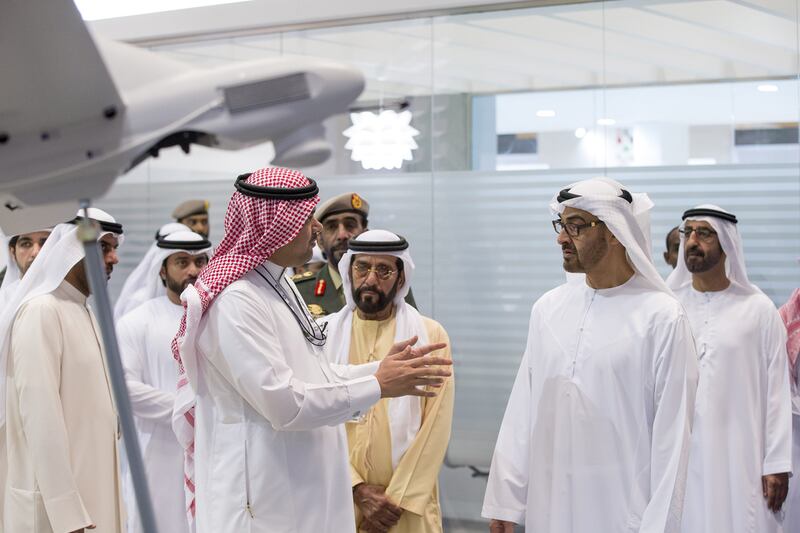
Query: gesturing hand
(775, 488)
(380, 514)
(406, 368)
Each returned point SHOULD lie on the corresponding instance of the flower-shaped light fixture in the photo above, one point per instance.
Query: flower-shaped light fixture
(382, 140)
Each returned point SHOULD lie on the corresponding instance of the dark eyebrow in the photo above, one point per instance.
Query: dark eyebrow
(574, 218)
(344, 218)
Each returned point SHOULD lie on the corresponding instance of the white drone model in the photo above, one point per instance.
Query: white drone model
(77, 111)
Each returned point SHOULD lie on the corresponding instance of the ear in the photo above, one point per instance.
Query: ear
(611, 238)
(401, 280)
(163, 273)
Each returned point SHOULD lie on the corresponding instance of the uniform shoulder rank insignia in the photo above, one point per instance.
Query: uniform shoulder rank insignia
(355, 201)
(302, 277)
(316, 310)
(319, 290)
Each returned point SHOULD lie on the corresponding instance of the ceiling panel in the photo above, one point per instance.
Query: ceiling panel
(688, 38)
(736, 19)
(626, 42)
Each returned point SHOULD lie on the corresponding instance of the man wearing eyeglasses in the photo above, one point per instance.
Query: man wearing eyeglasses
(397, 449)
(740, 459)
(342, 217)
(596, 432)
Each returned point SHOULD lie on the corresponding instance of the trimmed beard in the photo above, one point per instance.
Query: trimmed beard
(702, 262)
(587, 259)
(383, 301)
(178, 287)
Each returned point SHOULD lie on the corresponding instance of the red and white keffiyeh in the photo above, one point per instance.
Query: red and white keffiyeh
(254, 229)
(790, 313)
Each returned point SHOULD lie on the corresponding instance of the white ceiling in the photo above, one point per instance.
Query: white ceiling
(585, 45)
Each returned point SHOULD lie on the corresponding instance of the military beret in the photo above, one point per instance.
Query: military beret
(343, 203)
(189, 208)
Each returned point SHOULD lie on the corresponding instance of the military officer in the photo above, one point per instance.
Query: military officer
(343, 217)
(194, 214)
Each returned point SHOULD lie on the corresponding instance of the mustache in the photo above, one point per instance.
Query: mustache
(694, 250)
(365, 288)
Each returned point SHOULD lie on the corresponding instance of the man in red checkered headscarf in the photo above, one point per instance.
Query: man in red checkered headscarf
(259, 410)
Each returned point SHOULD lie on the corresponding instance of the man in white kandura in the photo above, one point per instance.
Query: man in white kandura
(259, 410)
(22, 250)
(140, 286)
(145, 336)
(740, 458)
(61, 423)
(397, 450)
(595, 437)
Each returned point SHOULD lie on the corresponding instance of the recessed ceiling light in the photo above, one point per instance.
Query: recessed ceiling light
(580, 133)
(768, 88)
(606, 121)
(701, 161)
(545, 113)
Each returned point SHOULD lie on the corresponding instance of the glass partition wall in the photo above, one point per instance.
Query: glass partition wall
(692, 102)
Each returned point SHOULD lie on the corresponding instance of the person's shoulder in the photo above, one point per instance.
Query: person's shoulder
(761, 301)
(434, 327)
(760, 307)
(41, 301)
(321, 296)
(307, 283)
(436, 333)
(243, 287)
(39, 308)
(306, 276)
(556, 294)
(144, 312)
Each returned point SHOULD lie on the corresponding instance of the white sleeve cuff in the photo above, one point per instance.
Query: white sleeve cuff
(777, 467)
(493, 512)
(363, 393)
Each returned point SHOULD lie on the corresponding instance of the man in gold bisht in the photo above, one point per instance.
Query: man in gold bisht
(397, 448)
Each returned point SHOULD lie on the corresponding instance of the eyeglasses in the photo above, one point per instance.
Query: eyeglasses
(382, 271)
(704, 234)
(573, 230)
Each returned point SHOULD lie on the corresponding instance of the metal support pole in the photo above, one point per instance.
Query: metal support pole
(88, 234)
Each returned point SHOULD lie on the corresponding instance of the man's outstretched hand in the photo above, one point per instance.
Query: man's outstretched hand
(407, 369)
